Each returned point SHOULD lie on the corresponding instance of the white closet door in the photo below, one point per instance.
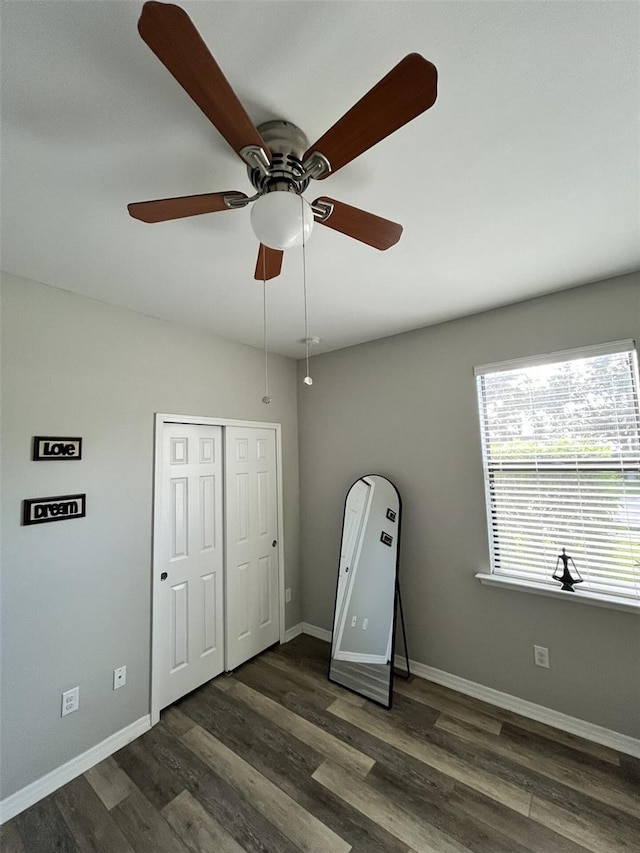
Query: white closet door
(189, 647)
(252, 596)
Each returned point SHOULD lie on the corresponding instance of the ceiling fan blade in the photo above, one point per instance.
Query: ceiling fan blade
(407, 90)
(366, 227)
(171, 35)
(269, 263)
(163, 209)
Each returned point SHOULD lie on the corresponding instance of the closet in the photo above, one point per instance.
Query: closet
(217, 563)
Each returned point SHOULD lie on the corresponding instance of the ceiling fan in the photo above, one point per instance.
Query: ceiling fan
(279, 160)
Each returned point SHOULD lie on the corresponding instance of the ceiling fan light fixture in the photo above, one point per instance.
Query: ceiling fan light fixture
(281, 219)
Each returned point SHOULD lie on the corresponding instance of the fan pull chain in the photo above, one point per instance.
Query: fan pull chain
(266, 399)
(307, 379)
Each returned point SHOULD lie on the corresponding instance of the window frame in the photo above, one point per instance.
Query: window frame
(538, 585)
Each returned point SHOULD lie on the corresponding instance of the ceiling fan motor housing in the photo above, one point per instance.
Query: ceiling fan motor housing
(287, 144)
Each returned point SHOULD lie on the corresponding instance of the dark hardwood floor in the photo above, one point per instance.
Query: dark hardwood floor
(276, 759)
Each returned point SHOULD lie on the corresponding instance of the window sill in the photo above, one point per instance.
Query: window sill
(579, 596)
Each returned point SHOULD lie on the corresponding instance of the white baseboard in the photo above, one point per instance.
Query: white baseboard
(314, 631)
(357, 657)
(292, 633)
(556, 719)
(306, 628)
(27, 796)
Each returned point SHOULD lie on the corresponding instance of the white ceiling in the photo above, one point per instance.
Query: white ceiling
(521, 180)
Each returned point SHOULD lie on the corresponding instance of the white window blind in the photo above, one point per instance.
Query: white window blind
(561, 448)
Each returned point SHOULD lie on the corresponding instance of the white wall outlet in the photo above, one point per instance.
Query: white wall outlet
(287, 595)
(365, 624)
(541, 656)
(119, 677)
(70, 701)
(354, 621)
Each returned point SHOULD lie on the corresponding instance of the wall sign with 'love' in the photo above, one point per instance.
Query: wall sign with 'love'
(54, 447)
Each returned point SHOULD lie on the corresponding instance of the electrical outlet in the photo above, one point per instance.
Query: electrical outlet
(119, 677)
(287, 595)
(70, 701)
(354, 621)
(541, 656)
(365, 624)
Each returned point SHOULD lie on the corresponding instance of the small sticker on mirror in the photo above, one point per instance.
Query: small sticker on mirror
(391, 515)
(386, 539)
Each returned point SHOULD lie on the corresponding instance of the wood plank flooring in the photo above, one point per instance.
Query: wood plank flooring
(277, 759)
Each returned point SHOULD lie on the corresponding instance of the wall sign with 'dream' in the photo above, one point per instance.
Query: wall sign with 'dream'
(58, 508)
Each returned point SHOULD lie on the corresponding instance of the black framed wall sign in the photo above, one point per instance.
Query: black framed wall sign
(57, 508)
(56, 447)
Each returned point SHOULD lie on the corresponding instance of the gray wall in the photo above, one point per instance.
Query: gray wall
(76, 594)
(405, 407)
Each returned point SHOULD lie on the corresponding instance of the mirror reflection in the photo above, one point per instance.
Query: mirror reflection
(363, 625)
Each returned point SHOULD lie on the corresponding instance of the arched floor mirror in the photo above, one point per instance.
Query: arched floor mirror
(362, 648)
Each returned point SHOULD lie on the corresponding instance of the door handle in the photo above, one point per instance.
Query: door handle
(274, 543)
(163, 576)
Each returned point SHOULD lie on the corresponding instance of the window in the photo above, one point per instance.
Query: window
(561, 448)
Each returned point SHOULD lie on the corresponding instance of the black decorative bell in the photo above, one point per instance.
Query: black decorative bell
(565, 578)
